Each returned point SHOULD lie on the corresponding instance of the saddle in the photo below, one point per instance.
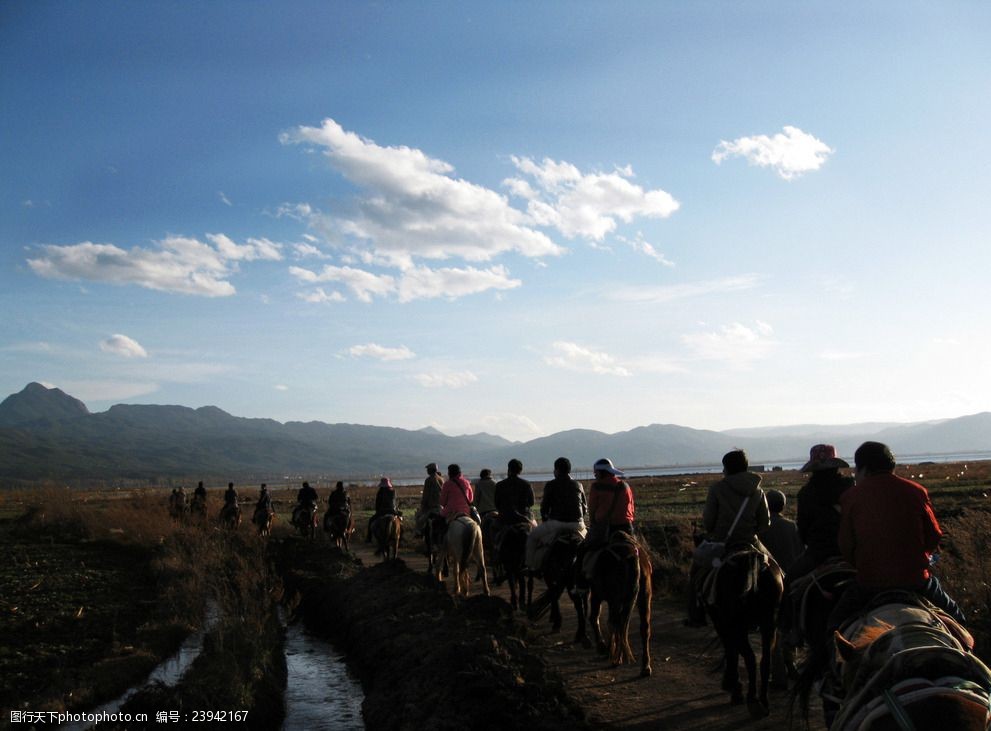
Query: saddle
(830, 579)
(618, 541)
(915, 657)
(758, 563)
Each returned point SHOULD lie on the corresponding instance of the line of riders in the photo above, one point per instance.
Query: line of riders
(303, 515)
(881, 536)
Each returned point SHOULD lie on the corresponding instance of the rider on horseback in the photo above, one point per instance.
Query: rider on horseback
(610, 510)
(735, 512)
(264, 504)
(889, 533)
(339, 501)
(562, 508)
(430, 499)
(513, 499)
(456, 495)
(230, 495)
(385, 504)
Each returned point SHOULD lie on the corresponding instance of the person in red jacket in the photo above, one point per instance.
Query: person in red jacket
(889, 533)
(610, 510)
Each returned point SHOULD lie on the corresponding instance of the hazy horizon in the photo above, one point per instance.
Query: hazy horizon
(500, 218)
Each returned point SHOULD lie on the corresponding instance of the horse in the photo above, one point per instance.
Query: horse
(263, 519)
(197, 509)
(178, 508)
(621, 577)
(742, 593)
(511, 554)
(304, 517)
(230, 516)
(339, 526)
(386, 532)
(904, 664)
(434, 532)
(464, 544)
(558, 569)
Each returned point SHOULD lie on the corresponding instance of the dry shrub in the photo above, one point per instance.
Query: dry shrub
(964, 569)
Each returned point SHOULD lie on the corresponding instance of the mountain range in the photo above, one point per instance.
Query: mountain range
(46, 434)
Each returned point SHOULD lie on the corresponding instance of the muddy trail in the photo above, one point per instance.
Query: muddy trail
(429, 660)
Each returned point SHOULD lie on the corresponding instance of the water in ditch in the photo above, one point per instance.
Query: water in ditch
(320, 691)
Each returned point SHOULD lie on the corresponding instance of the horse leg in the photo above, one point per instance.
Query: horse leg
(644, 601)
(731, 658)
(581, 610)
(595, 607)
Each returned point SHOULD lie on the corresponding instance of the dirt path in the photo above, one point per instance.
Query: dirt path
(682, 694)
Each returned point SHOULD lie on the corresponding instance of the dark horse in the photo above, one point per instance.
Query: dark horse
(230, 516)
(386, 532)
(263, 520)
(905, 665)
(512, 556)
(743, 594)
(339, 526)
(559, 575)
(434, 532)
(622, 577)
(304, 517)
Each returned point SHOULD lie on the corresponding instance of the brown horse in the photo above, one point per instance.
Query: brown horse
(742, 594)
(386, 532)
(230, 516)
(197, 510)
(339, 526)
(263, 520)
(304, 517)
(904, 664)
(622, 577)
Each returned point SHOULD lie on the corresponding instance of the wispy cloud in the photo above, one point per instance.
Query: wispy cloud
(791, 153)
(587, 205)
(574, 357)
(411, 284)
(107, 390)
(124, 346)
(308, 251)
(840, 355)
(178, 264)
(446, 379)
(736, 343)
(224, 199)
(639, 244)
(319, 296)
(281, 387)
(380, 352)
(668, 293)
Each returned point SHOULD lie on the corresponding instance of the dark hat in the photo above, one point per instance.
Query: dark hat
(874, 457)
(485, 474)
(823, 457)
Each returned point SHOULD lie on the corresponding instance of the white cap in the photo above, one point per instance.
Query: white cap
(605, 465)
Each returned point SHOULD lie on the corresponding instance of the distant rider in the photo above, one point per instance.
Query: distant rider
(385, 504)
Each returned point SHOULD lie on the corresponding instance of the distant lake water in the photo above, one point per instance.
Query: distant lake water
(710, 469)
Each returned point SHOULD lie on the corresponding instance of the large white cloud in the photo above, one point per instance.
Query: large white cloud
(585, 204)
(791, 153)
(178, 264)
(413, 206)
(122, 345)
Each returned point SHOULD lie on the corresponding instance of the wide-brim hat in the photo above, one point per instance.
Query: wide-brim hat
(606, 465)
(823, 457)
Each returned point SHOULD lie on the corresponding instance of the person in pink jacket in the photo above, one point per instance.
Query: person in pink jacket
(456, 494)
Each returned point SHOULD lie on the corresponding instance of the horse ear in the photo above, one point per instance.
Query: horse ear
(844, 647)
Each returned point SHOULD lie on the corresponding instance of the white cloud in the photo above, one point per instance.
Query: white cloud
(224, 199)
(446, 379)
(574, 357)
(281, 387)
(414, 207)
(411, 284)
(308, 251)
(319, 296)
(179, 264)
(735, 343)
(639, 244)
(585, 205)
(122, 345)
(790, 154)
(840, 355)
(668, 293)
(380, 352)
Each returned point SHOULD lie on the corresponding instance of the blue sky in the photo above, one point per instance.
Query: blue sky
(516, 218)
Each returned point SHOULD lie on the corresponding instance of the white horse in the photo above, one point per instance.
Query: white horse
(463, 545)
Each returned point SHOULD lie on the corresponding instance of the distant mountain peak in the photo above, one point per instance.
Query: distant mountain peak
(431, 431)
(37, 402)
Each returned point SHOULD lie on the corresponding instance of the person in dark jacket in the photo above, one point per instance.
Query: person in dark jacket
(339, 501)
(385, 504)
(562, 508)
(781, 536)
(230, 495)
(430, 498)
(514, 497)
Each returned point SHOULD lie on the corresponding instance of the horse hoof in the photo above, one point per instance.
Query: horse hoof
(645, 673)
